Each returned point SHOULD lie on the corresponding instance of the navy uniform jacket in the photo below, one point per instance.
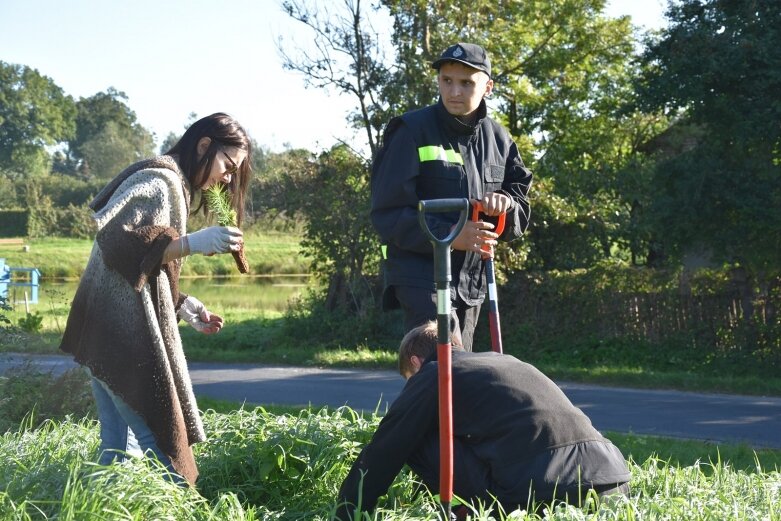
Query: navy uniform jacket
(513, 419)
(430, 154)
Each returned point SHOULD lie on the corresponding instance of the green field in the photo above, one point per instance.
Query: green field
(268, 253)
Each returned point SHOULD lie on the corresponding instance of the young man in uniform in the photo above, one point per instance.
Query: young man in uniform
(448, 150)
(517, 438)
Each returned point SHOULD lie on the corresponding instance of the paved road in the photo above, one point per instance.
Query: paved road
(715, 417)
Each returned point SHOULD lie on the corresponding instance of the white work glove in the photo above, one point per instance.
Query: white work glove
(215, 239)
(195, 313)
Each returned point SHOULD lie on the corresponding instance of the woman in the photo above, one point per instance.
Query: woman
(123, 321)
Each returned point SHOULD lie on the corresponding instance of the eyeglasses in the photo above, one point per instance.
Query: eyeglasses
(234, 167)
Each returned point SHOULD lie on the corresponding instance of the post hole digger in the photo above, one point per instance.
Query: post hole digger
(442, 279)
(490, 277)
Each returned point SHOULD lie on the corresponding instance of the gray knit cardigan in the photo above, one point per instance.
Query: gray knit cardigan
(122, 323)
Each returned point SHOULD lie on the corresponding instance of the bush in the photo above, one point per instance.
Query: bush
(8, 332)
(4, 307)
(326, 193)
(30, 396)
(309, 317)
(47, 220)
(67, 190)
(32, 322)
(13, 223)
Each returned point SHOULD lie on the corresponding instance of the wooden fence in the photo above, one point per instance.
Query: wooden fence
(706, 321)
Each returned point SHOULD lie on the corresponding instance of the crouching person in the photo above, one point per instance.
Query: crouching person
(518, 439)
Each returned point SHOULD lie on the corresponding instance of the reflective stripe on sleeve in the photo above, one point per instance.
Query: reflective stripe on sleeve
(438, 153)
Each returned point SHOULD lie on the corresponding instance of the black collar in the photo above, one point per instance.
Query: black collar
(454, 125)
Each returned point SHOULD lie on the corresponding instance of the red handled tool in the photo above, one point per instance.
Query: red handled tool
(444, 361)
(490, 277)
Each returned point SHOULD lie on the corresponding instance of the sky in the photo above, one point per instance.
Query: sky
(175, 57)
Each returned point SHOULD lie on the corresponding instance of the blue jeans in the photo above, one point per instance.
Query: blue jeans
(123, 432)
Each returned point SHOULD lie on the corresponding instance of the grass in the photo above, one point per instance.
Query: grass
(242, 300)
(287, 463)
(645, 378)
(54, 257)
(268, 252)
(259, 464)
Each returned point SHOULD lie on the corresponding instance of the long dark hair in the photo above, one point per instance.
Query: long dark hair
(224, 132)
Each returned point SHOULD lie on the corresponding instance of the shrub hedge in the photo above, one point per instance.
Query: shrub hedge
(13, 223)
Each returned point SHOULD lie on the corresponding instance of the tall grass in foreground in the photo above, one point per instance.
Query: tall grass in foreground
(259, 465)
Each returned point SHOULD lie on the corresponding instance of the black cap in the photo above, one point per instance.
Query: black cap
(469, 54)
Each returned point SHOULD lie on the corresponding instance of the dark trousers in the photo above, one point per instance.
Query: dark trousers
(420, 305)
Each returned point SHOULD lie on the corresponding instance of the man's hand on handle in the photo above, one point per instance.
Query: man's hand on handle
(495, 203)
(474, 235)
(477, 235)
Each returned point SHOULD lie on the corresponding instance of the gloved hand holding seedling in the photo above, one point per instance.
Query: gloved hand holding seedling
(219, 203)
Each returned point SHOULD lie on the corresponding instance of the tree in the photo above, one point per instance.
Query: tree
(549, 59)
(716, 70)
(331, 193)
(110, 150)
(420, 33)
(8, 195)
(338, 235)
(34, 114)
(172, 138)
(108, 136)
(281, 183)
(346, 56)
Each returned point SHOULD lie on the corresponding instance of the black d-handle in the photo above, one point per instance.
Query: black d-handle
(440, 206)
(442, 275)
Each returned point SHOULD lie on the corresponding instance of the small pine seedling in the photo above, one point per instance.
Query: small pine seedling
(219, 203)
